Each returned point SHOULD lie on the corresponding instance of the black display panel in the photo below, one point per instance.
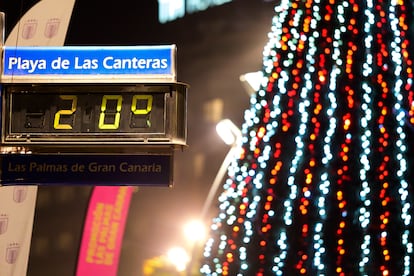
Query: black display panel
(94, 113)
(94, 118)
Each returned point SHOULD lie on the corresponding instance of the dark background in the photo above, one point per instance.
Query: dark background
(215, 47)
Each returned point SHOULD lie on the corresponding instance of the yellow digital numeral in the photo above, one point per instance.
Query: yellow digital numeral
(67, 112)
(103, 114)
(141, 111)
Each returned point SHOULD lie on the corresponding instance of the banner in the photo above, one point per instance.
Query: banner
(103, 231)
(17, 205)
(45, 24)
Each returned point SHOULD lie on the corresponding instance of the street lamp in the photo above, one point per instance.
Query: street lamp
(251, 81)
(231, 135)
(228, 132)
(195, 231)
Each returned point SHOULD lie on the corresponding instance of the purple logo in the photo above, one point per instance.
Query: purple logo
(52, 27)
(4, 222)
(11, 253)
(19, 194)
(29, 29)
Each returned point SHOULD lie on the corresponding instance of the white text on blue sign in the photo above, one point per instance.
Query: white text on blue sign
(88, 60)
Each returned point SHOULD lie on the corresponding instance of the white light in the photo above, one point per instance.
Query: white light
(228, 131)
(178, 257)
(253, 80)
(195, 230)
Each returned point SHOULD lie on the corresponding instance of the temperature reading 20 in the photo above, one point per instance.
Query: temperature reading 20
(109, 118)
(87, 113)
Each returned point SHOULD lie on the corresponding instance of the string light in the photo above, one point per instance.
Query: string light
(322, 185)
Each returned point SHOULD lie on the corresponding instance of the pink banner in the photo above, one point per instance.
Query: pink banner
(103, 231)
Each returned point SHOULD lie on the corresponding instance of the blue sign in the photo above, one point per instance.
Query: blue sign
(78, 60)
(100, 170)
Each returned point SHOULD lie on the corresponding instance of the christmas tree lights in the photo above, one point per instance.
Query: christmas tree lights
(323, 184)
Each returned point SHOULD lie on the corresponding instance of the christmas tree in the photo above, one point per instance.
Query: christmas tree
(324, 181)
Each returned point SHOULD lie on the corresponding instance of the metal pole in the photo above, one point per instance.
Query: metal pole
(228, 126)
(210, 197)
(2, 29)
(217, 181)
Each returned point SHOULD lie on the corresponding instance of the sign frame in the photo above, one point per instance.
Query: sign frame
(79, 169)
(83, 67)
(31, 160)
(173, 120)
(89, 64)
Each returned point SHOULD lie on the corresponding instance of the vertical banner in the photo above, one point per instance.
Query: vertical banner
(17, 205)
(45, 24)
(103, 231)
